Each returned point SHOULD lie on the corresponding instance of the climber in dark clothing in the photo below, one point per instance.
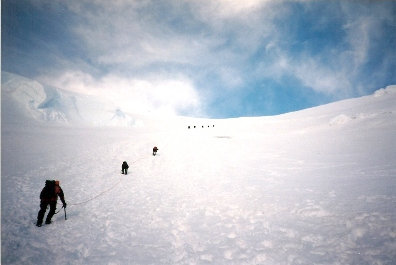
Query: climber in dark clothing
(125, 168)
(49, 196)
(155, 149)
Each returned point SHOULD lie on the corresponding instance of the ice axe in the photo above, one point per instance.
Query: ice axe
(64, 209)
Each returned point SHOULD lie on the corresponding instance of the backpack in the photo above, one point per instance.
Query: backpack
(49, 189)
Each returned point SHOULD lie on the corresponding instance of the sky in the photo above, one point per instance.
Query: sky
(216, 59)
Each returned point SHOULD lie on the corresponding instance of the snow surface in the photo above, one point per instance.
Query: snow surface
(316, 186)
(55, 106)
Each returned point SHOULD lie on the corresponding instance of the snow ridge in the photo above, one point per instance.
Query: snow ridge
(26, 99)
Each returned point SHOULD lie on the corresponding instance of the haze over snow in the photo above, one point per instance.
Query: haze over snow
(310, 187)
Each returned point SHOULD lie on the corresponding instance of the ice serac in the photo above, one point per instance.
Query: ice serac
(27, 101)
(21, 98)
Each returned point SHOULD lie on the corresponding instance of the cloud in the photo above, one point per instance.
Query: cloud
(335, 64)
(322, 79)
(196, 34)
(136, 35)
(215, 50)
(225, 9)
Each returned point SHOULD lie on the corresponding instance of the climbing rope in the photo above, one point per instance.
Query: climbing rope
(59, 210)
(105, 191)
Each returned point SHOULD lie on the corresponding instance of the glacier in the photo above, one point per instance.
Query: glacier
(316, 186)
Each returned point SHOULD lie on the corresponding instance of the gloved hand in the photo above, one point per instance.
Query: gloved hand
(64, 205)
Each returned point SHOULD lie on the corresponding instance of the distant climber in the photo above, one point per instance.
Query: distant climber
(49, 196)
(155, 149)
(125, 168)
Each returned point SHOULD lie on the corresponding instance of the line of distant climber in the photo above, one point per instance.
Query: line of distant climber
(189, 127)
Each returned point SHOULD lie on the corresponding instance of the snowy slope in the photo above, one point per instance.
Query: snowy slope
(311, 187)
(24, 99)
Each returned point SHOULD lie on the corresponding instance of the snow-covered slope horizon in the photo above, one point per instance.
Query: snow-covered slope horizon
(315, 186)
(29, 101)
(26, 101)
